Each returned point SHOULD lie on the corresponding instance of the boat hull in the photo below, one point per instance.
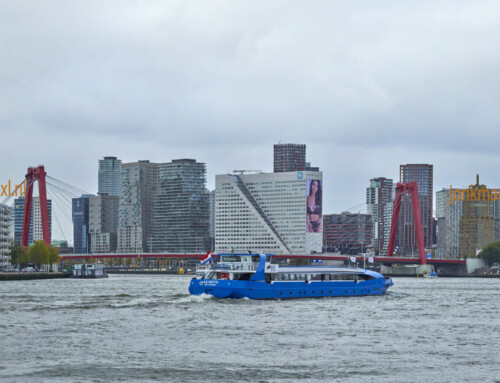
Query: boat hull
(285, 290)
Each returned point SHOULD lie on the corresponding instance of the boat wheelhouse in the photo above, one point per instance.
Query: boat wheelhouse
(255, 277)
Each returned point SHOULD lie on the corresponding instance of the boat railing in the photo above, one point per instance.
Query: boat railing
(234, 266)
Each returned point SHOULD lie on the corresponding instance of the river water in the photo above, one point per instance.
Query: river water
(139, 328)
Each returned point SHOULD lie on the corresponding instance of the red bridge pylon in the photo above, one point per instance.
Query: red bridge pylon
(36, 174)
(410, 188)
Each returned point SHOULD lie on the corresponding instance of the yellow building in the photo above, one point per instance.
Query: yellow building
(477, 225)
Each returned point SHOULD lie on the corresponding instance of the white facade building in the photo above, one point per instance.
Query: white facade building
(37, 218)
(5, 234)
(379, 201)
(448, 225)
(266, 213)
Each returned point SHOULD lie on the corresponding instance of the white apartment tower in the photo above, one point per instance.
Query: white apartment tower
(5, 234)
(379, 200)
(269, 213)
(37, 218)
(448, 225)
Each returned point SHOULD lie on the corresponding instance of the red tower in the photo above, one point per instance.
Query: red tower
(36, 174)
(410, 188)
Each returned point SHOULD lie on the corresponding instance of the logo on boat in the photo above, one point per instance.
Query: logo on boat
(209, 283)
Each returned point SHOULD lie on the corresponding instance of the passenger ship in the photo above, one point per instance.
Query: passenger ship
(255, 277)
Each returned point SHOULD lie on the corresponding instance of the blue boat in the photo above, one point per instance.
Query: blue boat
(255, 277)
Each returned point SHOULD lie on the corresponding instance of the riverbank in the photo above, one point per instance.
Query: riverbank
(30, 276)
(137, 270)
(444, 275)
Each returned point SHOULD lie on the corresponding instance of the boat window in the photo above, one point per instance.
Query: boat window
(230, 258)
(302, 277)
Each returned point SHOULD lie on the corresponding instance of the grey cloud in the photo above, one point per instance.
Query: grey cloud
(367, 86)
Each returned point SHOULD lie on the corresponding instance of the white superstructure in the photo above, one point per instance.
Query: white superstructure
(265, 212)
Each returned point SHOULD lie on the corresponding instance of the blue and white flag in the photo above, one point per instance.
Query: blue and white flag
(370, 259)
(353, 259)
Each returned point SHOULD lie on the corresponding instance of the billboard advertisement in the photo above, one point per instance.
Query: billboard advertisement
(314, 216)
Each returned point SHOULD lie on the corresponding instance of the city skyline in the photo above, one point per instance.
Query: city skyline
(356, 208)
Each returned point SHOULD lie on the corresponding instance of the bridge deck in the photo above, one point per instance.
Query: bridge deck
(295, 256)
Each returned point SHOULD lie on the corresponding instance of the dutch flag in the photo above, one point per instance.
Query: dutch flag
(207, 257)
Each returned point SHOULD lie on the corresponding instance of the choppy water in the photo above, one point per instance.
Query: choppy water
(147, 328)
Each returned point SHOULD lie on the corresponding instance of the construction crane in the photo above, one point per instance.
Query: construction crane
(247, 171)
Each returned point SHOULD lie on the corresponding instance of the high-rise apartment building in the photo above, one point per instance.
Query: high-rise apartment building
(279, 213)
(36, 232)
(139, 185)
(181, 208)
(379, 199)
(212, 220)
(349, 233)
(80, 215)
(5, 235)
(289, 157)
(17, 218)
(477, 224)
(422, 174)
(36, 221)
(109, 176)
(448, 225)
(103, 223)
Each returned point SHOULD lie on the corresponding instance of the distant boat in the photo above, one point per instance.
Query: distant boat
(254, 276)
(431, 275)
(89, 270)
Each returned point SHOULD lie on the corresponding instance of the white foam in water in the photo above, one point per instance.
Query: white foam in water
(199, 298)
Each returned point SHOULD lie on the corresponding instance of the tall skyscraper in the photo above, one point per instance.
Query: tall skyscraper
(103, 223)
(212, 220)
(139, 185)
(448, 225)
(278, 213)
(80, 215)
(109, 176)
(379, 199)
(35, 221)
(181, 208)
(477, 225)
(289, 157)
(422, 174)
(17, 217)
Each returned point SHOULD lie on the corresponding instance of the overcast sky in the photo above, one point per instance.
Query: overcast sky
(366, 85)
